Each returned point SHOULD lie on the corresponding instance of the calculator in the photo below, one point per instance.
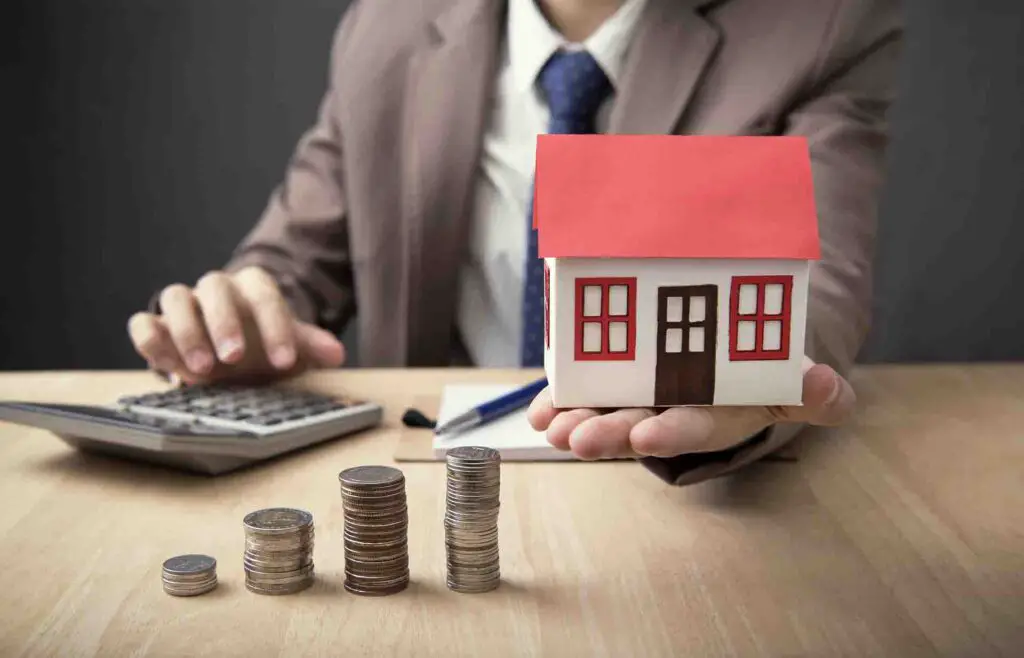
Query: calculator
(209, 429)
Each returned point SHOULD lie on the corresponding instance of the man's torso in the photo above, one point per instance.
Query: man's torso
(429, 189)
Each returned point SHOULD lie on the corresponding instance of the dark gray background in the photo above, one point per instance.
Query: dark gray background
(142, 137)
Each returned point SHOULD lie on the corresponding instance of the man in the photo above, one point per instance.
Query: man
(408, 200)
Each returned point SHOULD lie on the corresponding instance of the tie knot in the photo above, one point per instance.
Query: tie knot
(574, 86)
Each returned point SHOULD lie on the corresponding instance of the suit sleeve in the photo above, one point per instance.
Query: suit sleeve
(302, 237)
(844, 118)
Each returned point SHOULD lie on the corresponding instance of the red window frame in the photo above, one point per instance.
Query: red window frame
(759, 317)
(605, 318)
(547, 306)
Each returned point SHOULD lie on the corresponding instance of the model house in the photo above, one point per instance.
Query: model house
(676, 268)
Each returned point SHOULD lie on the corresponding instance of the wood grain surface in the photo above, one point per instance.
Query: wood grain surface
(900, 535)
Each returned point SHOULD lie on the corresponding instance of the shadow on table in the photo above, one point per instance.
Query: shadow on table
(330, 585)
(116, 469)
(772, 485)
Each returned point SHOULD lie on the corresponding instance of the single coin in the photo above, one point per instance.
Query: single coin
(279, 590)
(371, 475)
(276, 519)
(473, 454)
(189, 564)
(386, 590)
(191, 592)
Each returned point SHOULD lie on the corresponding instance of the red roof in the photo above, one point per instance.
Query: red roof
(670, 196)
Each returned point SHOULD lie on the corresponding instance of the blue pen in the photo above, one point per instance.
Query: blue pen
(493, 409)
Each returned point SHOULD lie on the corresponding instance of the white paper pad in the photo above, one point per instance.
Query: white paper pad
(511, 435)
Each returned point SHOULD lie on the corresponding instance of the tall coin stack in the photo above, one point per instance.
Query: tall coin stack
(278, 551)
(471, 519)
(376, 530)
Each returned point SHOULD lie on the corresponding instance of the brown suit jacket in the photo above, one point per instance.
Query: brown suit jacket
(371, 219)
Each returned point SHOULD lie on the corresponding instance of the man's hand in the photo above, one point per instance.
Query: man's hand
(230, 326)
(828, 400)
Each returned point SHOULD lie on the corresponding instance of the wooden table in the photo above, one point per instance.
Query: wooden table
(900, 535)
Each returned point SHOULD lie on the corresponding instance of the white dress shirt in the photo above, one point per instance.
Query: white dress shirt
(489, 313)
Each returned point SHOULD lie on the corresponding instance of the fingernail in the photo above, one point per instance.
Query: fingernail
(283, 357)
(198, 360)
(837, 387)
(229, 348)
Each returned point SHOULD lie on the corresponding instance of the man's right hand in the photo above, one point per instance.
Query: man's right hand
(230, 326)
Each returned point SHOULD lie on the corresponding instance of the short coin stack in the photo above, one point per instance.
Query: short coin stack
(376, 530)
(189, 575)
(471, 519)
(278, 551)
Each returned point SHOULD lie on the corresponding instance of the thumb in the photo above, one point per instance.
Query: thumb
(828, 399)
(318, 346)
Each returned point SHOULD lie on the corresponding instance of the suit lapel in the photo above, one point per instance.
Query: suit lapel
(449, 82)
(672, 48)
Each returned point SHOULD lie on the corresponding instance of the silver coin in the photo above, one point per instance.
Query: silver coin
(371, 475)
(361, 590)
(472, 588)
(277, 520)
(473, 453)
(279, 590)
(279, 578)
(189, 589)
(280, 566)
(189, 564)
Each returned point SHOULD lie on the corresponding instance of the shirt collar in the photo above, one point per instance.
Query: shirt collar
(531, 40)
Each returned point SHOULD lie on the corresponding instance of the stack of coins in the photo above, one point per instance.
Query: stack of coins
(471, 519)
(376, 525)
(190, 575)
(278, 551)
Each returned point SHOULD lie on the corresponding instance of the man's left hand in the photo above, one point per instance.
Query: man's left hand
(828, 400)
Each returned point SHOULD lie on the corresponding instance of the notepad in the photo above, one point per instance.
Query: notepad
(512, 435)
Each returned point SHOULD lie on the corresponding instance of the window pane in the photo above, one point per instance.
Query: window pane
(773, 298)
(772, 339)
(674, 341)
(591, 301)
(617, 337)
(748, 299)
(674, 309)
(617, 300)
(591, 337)
(696, 339)
(697, 309)
(745, 336)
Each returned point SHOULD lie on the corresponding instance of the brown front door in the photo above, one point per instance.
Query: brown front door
(687, 337)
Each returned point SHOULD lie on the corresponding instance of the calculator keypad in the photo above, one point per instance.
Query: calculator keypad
(241, 406)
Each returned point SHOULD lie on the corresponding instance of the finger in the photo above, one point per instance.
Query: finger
(673, 432)
(828, 398)
(181, 316)
(272, 315)
(563, 424)
(218, 304)
(319, 347)
(153, 342)
(607, 436)
(541, 411)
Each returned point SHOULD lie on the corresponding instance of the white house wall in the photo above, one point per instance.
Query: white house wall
(631, 383)
(550, 363)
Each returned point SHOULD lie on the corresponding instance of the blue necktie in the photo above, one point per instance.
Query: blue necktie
(574, 86)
